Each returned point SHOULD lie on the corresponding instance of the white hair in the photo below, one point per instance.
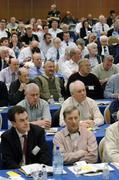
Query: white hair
(90, 45)
(30, 88)
(72, 86)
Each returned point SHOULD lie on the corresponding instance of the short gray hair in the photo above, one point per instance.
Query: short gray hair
(72, 86)
(69, 110)
(30, 87)
(108, 58)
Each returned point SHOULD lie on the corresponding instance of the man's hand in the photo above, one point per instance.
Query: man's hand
(43, 123)
(22, 87)
(87, 123)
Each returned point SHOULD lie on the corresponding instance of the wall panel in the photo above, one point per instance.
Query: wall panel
(25, 9)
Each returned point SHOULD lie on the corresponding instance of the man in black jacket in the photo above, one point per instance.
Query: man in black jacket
(3, 94)
(24, 143)
(92, 84)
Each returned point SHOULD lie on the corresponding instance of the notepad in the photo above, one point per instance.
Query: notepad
(82, 167)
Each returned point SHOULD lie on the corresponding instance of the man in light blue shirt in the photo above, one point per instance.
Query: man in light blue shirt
(112, 87)
(35, 68)
(37, 108)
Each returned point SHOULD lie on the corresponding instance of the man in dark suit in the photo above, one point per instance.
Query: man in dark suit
(3, 94)
(24, 143)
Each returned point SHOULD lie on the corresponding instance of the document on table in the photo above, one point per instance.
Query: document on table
(82, 167)
(51, 131)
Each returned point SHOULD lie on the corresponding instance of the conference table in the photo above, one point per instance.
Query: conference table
(114, 175)
(102, 103)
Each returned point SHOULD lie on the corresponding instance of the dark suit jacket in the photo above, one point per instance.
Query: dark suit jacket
(83, 32)
(12, 152)
(15, 95)
(3, 94)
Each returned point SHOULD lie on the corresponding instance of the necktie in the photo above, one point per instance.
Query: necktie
(25, 147)
(13, 76)
(105, 50)
(103, 27)
(38, 71)
(67, 43)
(58, 55)
(4, 64)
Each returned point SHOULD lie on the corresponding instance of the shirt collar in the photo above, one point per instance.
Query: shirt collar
(21, 135)
(31, 107)
(67, 133)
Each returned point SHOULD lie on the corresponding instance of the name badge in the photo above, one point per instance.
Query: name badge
(35, 150)
(91, 87)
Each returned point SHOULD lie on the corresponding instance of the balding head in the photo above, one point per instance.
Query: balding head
(34, 44)
(14, 64)
(75, 54)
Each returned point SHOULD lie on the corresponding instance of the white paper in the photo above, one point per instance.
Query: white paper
(51, 131)
(28, 169)
(83, 168)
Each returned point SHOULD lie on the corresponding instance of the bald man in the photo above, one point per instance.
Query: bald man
(10, 73)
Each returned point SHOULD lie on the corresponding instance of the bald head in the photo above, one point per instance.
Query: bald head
(14, 64)
(34, 44)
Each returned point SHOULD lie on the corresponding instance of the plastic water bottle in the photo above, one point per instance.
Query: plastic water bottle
(57, 162)
(106, 172)
(61, 100)
(51, 100)
(44, 171)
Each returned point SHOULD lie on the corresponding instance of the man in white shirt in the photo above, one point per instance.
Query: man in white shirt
(26, 53)
(54, 30)
(71, 66)
(101, 26)
(56, 51)
(46, 43)
(90, 114)
(67, 41)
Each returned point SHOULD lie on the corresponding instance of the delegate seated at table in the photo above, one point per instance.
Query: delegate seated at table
(111, 143)
(49, 84)
(90, 114)
(16, 150)
(37, 108)
(75, 141)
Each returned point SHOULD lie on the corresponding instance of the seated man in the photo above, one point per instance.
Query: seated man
(19, 143)
(112, 87)
(111, 111)
(49, 84)
(76, 142)
(35, 68)
(105, 70)
(38, 109)
(16, 90)
(92, 84)
(90, 114)
(10, 73)
(111, 143)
